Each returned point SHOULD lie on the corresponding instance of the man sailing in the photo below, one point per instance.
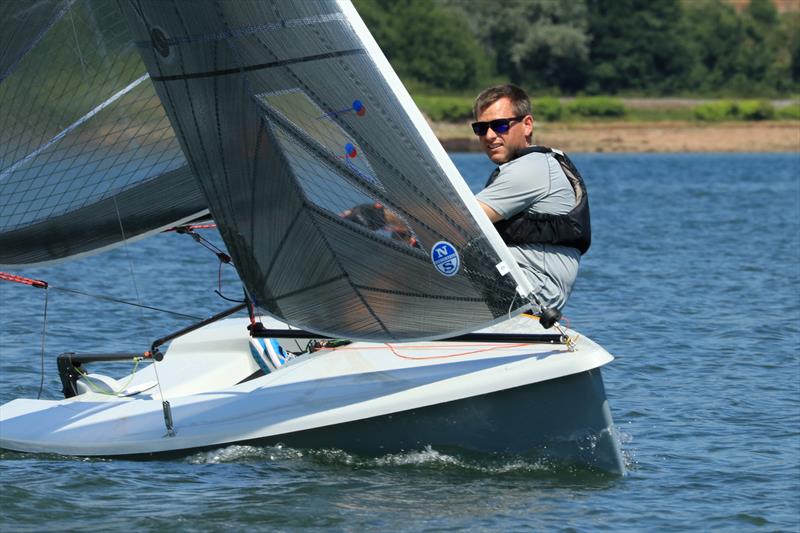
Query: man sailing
(536, 198)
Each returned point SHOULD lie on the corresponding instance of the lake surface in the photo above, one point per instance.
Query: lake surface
(692, 282)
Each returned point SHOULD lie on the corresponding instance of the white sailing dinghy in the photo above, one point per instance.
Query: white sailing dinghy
(277, 118)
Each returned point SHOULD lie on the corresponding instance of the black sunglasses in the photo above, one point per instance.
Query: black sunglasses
(498, 125)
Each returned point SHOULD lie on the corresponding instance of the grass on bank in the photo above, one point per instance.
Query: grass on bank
(601, 108)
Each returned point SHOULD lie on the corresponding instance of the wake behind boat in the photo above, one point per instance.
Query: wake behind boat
(543, 400)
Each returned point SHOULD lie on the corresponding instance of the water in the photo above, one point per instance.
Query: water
(692, 282)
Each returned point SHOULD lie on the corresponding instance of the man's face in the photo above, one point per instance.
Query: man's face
(503, 147)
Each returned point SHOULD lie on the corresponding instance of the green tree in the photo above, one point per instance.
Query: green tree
(792, 23)
(714, 32)
(745, 53)
(427, 42)
(377, 19)
(593, 46)
(760, 20)
(763, 13)
(636, 46)
(540, 44)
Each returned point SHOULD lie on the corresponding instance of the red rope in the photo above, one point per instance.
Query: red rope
(191, 227)
(202, 226)
(25, 281)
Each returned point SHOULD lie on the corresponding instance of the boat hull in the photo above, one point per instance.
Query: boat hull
(539, 400)
(565, 420)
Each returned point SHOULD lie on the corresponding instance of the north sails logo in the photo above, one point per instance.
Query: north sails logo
(445, 258)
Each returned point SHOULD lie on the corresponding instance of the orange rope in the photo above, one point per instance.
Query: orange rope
(452, 354)
(423, 347)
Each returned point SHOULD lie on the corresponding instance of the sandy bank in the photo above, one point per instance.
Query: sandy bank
(767, 136)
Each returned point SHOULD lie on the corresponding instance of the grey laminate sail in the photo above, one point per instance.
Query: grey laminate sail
(87, 155)
(290, 117)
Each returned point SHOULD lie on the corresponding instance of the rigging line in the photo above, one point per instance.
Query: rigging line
(94, 388)
(224, 259)
(127, 254)
(44, 331)
(219, 284)
(77, 44)
(134, 304)
(7, 172)
(40, 284)
(511, 305)
(164, 403)
(208, 245)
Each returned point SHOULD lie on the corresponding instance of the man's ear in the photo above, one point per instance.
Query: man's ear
(527, 122)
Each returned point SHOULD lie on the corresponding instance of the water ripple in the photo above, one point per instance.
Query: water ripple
(692, 283)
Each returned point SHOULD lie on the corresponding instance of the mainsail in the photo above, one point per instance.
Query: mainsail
(290, 117)
(87, 155)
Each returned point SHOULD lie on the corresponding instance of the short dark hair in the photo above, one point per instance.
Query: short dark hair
(520, 102)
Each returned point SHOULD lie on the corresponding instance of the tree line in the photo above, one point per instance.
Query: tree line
(610, 47)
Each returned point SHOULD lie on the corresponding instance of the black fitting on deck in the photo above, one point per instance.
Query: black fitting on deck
(549, 317)
(256, 329)
(70, 362)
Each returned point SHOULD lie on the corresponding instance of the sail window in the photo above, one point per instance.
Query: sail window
(327, 164)
(322, 127)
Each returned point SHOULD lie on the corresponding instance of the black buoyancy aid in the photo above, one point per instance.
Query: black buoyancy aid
(570, 229)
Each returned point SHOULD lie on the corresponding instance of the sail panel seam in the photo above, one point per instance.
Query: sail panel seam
(260, 66)
(419, 295)
(311, 287)
(335, 256)
(283, 242)
(248, 30)
(416, 253)
(197, 129)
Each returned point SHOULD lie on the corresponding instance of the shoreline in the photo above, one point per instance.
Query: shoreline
(644, 137)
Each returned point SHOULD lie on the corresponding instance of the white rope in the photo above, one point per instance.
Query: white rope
(164, 403)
